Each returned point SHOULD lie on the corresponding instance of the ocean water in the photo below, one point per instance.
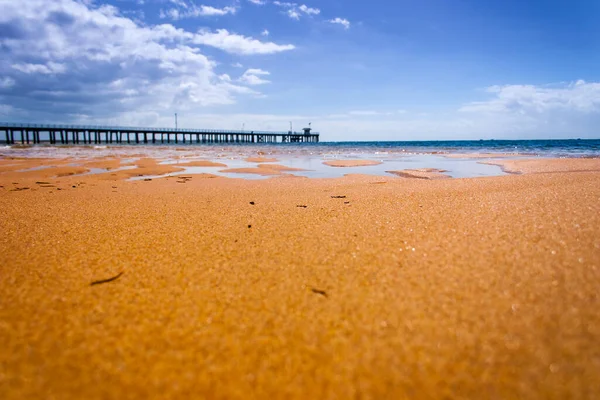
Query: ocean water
(394, 156)
(545, 148)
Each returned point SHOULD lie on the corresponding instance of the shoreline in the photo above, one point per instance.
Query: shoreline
(136, 165)
(334, 149)
(359, 286)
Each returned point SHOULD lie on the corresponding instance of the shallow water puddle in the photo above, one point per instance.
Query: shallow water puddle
(314, 167)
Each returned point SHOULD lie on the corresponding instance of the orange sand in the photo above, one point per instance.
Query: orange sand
(261, 159)
(351, 163)
(421, 173)
(451, 288)
(14, 165)
(541, 165)
(106, 163)
(278, 167)
(12, 169)
(50, 172)
(256, 171)
(144, 167)
(202, 163)
(263, 169)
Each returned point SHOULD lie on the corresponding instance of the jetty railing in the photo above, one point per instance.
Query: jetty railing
(96, 134)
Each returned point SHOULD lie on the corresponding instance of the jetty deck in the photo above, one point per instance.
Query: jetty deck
(13, 133)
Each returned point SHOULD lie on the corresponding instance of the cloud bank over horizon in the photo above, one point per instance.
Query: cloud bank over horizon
(139, 62)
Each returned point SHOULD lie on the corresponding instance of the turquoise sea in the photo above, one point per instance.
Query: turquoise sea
(547, 148)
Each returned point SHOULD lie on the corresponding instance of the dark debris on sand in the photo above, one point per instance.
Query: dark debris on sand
(318, 291)
(114, 278)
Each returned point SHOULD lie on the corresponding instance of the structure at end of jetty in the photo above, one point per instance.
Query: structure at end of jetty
(13, 133)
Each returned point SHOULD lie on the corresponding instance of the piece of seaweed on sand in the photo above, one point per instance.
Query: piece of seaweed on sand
(114, 278)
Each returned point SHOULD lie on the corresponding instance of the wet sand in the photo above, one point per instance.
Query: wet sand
(351, 163)
(263, 169)
(255, 171)
(203, 163)
(143, 167)
(541, 165)
(278, 167)
(421, 173)
(104, 163)
(261, 159)
(357, 287)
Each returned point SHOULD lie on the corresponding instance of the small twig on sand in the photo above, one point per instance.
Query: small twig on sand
(107, 280)
(321, 292)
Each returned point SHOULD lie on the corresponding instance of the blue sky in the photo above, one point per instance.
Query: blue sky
(358, 70)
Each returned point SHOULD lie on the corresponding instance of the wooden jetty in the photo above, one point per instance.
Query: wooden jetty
(78, 134)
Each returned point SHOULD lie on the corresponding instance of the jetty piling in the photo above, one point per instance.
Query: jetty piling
(59, 134)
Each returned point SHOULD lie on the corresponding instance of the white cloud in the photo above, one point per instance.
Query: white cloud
(172, 13)
(252, 76)
(265, 32)
(115, 65)
(238, 44)
(295, 11)
(308, 10)
(237, 65)
(179, 3)
(366, 113)
(521, 111)
(208, 10)
(340, 21)
(192, 10)
(579, 96)
(48, 69)
(258, 2)
(257, 71)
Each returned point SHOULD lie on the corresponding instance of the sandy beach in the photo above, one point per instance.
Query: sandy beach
(351, 163)
(541, 165)
(264, 169)
(357, 287)
(422, 173)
